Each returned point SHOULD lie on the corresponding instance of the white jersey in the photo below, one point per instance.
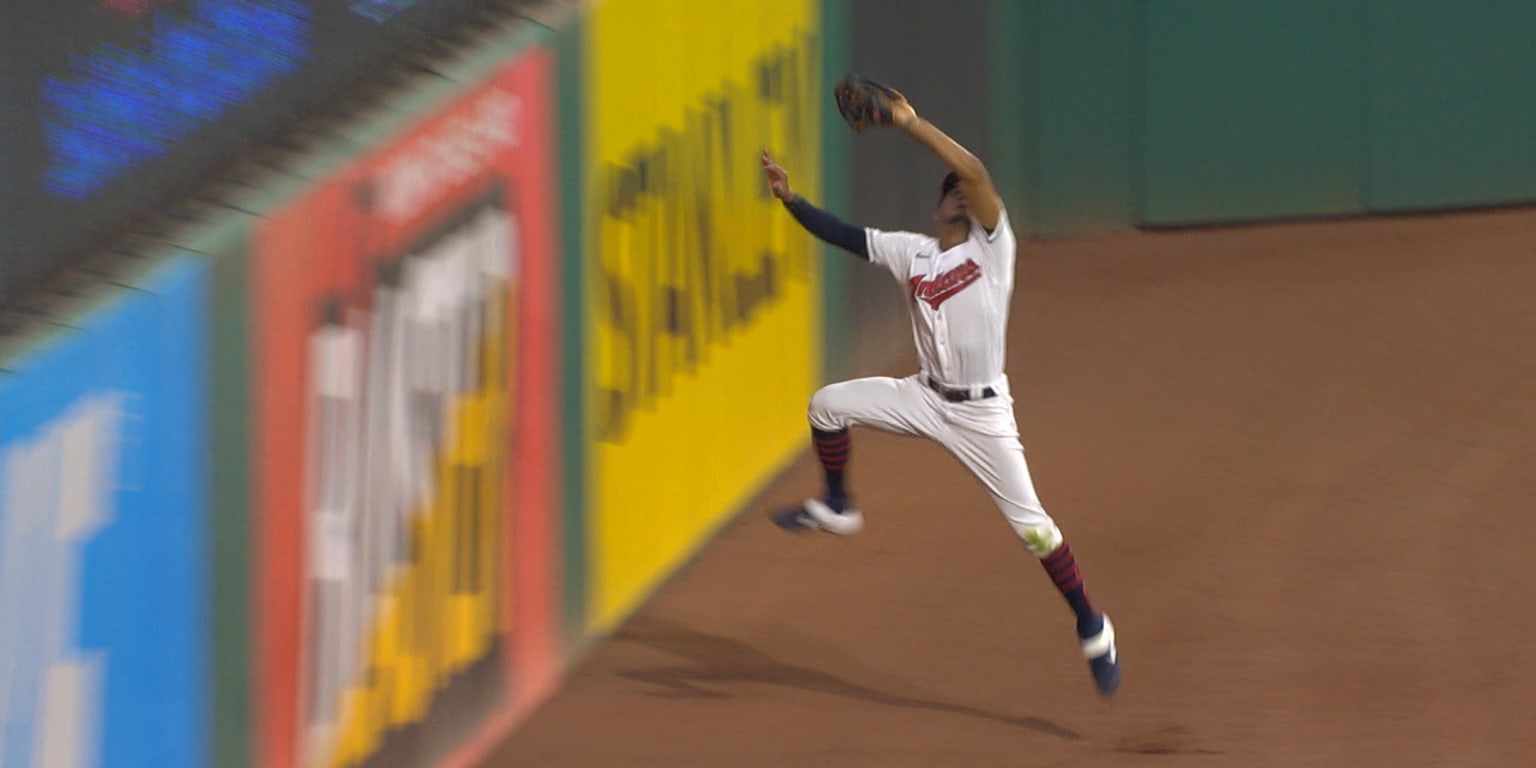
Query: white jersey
(958, 299)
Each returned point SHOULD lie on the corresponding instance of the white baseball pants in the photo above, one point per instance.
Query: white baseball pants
(982, 434)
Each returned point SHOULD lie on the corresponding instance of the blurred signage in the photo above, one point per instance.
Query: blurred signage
(103, 647)
(404, 487)
(115, 108)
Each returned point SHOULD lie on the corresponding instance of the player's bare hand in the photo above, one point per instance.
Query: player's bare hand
(903, 113)
(778, 178)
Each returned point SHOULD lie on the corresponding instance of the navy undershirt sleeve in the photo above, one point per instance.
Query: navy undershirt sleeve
(829, 227)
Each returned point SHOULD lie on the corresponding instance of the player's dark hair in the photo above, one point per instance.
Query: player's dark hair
(951, 180)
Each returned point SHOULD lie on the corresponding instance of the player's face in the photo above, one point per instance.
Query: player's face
(951, 208)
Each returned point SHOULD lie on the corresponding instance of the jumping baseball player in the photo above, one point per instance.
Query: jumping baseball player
(958, 287)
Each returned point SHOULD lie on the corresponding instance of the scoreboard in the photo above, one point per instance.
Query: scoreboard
(112, 108)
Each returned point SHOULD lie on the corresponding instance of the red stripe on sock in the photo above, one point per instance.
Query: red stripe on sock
(833, 453)
(1062, 551)
(1061, 555)
(1061, 566)
(1066, 575)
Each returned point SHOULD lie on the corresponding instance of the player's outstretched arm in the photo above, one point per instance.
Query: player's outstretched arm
(826, 226)
(975, 182)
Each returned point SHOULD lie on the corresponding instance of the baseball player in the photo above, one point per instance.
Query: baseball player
(958, 286)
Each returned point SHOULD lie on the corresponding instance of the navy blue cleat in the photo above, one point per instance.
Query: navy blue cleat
(817, 515)
(1103, 659)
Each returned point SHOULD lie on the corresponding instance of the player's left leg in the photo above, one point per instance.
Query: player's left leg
(994, 454)
(888, 404)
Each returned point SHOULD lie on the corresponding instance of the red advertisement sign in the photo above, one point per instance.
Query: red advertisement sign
(404, 319)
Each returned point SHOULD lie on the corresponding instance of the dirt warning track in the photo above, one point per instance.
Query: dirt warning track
(1296, 465)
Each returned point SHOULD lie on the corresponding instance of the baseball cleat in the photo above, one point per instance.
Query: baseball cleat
(1103, 659)
(815, 515)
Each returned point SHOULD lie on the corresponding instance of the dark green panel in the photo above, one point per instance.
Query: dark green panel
(1252, 110)
(835, 188)
(571, 106)
(1013, 29)
(230, 527)
(1087, 53)
(1453, 118)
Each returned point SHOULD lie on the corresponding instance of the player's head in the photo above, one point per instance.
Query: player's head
(951, 206)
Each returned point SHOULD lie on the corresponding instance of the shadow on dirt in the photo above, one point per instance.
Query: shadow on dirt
(715, 663)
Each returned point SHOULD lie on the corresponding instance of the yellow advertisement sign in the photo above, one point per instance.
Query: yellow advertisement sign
(704, 337)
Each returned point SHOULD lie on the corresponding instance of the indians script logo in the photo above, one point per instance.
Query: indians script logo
(938, 290)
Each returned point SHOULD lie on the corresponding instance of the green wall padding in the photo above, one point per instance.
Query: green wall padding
(1252, 110)
(1087, 54)
(1452, 113)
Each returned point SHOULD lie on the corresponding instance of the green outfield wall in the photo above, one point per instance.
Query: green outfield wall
(1112, 115)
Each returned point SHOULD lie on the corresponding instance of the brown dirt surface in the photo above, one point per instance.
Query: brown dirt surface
(1295, 462)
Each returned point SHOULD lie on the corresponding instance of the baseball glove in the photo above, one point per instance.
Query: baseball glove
(864, 102)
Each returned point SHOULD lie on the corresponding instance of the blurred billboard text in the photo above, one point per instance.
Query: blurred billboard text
(102, 649)
(400, 354)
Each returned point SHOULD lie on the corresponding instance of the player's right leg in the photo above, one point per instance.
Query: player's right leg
(884, 403)
(998, 461)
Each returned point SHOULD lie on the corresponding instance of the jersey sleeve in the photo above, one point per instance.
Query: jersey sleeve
(893, 250)
(999, 245)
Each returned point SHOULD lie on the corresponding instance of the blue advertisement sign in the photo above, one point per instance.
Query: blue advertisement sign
(103, 447)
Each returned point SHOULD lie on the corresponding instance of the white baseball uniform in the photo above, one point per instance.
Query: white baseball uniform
(958, 301)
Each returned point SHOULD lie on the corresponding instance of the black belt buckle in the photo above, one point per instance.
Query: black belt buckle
(958, 395)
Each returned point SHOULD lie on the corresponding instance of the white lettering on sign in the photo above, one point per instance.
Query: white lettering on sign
(450, 155)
